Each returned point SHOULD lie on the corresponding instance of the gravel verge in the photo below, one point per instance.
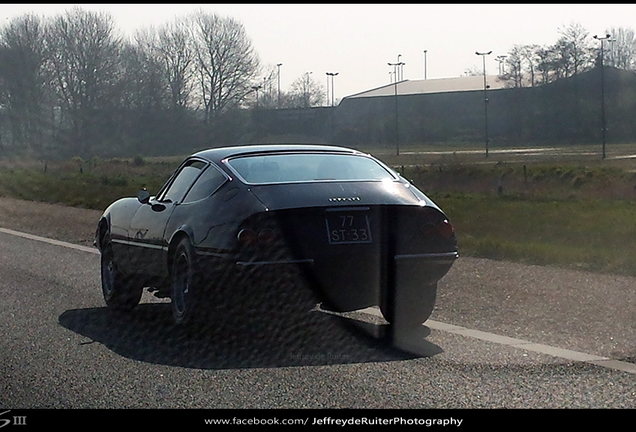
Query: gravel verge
(59, 222)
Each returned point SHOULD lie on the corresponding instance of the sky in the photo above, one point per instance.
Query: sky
(358, 40)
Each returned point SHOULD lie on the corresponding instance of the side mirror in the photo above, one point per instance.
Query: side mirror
(143, 196)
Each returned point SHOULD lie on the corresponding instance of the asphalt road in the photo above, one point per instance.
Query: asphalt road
(502, 336)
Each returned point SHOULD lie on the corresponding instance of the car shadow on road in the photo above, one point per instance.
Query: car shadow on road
(251, 339)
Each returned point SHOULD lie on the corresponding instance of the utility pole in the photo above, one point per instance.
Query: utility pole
(278, 103)
(483, 55)
(501, 60)
(331, 74)
(397, 130)
(603, 128)
(425, 51)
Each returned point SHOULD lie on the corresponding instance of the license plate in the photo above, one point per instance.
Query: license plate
(344, 228)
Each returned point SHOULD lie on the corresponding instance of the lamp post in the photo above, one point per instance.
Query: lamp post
(306, 97)
(278, 102)
(401, 68)
(397, 133)
(483, 55)
(394, 71)
(603, 129)
(501, 60)
(425, 51)
(331, 74)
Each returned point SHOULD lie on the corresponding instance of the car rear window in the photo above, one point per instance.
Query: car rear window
(308, 167)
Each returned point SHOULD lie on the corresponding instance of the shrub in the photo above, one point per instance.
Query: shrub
(138, 161)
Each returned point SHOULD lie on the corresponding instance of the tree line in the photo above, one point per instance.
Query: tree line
(575, 51)
(71, 84)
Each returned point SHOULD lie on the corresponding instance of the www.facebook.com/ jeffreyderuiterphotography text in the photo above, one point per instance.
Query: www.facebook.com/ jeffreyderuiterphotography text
(331, 421)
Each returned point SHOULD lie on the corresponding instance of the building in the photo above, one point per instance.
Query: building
(440, 85)
(449, 110)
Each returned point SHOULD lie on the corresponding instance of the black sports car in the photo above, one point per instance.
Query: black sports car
(361, 233)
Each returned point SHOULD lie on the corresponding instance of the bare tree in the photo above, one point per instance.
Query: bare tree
(22, 71)
(306, 92)
(268, 95)
(623, 48)
(143, 84)
(519, 60)
(514, 69)
(84, 58)
(474, 71)
(226, 62)
(531, 55)
(177, 54)
(546, 60)
(577, 52)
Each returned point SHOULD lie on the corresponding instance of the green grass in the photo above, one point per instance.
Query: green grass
(92, 185)
(594, 234)
(573, 212)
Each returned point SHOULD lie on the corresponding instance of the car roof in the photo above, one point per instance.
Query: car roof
(220, 153)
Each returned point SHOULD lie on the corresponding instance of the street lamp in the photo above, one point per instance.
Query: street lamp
(278, 103)
(501, 60)
(397, 133)
(603, 129)
(483, 55)
(425, 51)
(394, 71)
(331, 74)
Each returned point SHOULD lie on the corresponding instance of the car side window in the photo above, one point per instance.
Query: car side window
(206, 184)
(182, 182)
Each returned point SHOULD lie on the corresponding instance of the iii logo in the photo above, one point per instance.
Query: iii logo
(17, 420)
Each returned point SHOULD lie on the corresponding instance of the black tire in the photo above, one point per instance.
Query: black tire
(120, 291)
(183, 283)
(415, 310)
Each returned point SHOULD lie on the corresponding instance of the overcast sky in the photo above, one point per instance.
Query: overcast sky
(358, 40)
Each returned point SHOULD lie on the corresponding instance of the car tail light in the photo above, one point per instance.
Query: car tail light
(247, 237)
(445, 229)
(250, 237)
(266, 237)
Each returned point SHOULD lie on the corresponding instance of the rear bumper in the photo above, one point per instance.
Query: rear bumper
(350, 283)
(421, 269)
(432, 258)
(347, 281)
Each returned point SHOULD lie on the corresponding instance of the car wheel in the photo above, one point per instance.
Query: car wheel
(183, 290)
(414, 308)
(119, 291)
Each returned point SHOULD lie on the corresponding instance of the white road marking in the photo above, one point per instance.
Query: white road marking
(436, 325)
(50, 241)
(524, 344)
